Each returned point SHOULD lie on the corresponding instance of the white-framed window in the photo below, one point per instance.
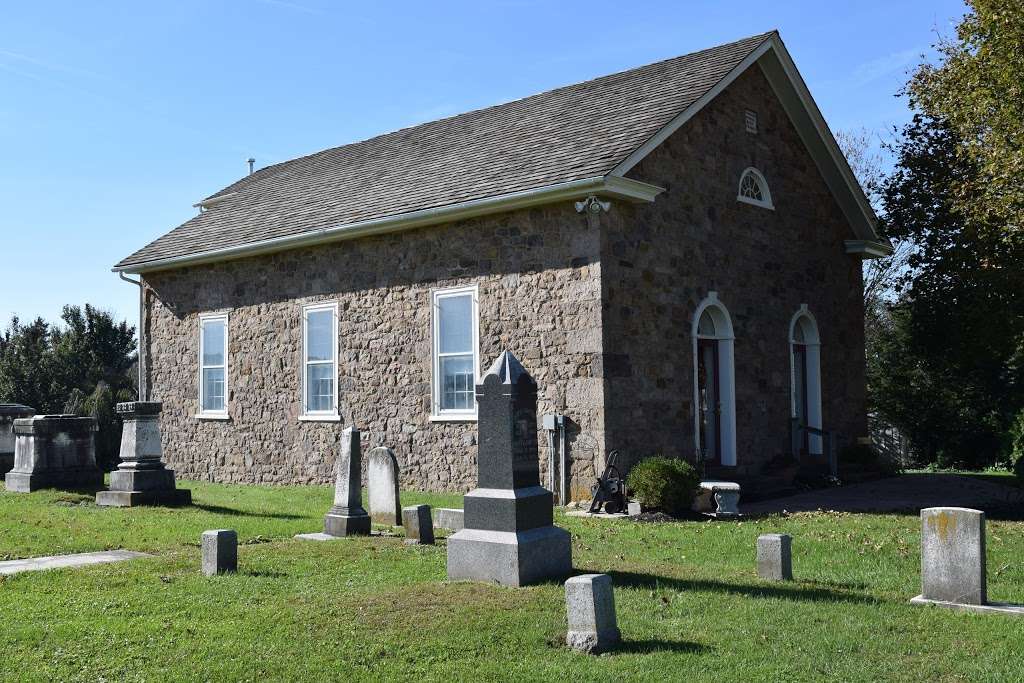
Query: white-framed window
(320, 361)
(754, 189)
(456, 361)
(213, 365)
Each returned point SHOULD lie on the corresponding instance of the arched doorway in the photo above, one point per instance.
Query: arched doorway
(805, 365)
(714, 385)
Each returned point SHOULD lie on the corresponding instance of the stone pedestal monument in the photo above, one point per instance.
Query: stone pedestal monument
(54, 451)
(347, 517)
(9, 412)
(508, 537)
(142, 478)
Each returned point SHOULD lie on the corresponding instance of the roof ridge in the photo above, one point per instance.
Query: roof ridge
(261, 174)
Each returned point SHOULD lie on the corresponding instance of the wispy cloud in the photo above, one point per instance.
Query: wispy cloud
(883, 66)
(11, 56)
(305, 9)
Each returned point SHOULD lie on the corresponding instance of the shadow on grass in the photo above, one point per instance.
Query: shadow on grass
(794, 591)
(643, 647)
(220, 510)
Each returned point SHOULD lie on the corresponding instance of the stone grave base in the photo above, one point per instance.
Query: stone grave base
(597, 515)
(35, 564)
(127, 499)
(510, 558)
(25, 482)
(347, 525)
(987, 608)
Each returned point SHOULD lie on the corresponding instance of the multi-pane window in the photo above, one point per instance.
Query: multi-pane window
(213, 353)
(455, 352)
(754, 189)
(320, 348)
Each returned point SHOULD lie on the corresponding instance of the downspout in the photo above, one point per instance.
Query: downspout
(143, 388)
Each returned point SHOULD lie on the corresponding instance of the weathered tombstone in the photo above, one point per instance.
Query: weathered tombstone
(449, 518)
(142, 478)
(220, 551)
(509, 537)
(54, 451)
(382, 486)
(590, 608)
(9, 412)
(419, 529)
(953, 555)
(775, 557)
(347, 517)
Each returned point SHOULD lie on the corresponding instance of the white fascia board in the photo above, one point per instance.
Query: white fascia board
(676, 123)
(778, 67)
(214, 201)
(782, 74)
(625, 189)
(867, 249)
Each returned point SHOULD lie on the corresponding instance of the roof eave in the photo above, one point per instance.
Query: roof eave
(612, 187)
(867, 249)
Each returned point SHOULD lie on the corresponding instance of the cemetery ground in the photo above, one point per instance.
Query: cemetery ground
(689, 604)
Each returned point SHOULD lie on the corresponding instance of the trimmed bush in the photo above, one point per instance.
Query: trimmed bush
(665, 484)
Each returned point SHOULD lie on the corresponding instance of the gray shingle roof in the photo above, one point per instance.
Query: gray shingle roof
(575, 132)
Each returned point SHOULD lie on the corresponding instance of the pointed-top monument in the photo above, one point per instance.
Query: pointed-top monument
(508, 537)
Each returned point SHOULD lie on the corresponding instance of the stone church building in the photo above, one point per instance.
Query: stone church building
(673, 252)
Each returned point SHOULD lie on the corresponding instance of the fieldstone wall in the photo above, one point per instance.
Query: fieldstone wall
(659, 261)
(538, 274)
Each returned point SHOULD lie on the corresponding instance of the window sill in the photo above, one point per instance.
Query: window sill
(754, 202)
(213, 416)
(454, 417)
(320, 418)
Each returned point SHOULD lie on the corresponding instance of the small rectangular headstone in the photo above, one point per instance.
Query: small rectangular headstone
(953, 555)
(590, 609)
(775, 557)
(449, 518)
(220, 551)
(418, 525)
(382, 486)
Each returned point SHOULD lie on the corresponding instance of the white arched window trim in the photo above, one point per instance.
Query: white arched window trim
(812, 342)
(727, 376)
(765, 202)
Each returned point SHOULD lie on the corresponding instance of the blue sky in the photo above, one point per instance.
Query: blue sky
(115, 117)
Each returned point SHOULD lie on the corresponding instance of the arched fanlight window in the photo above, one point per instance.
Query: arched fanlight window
(706, 325)
(754, 189)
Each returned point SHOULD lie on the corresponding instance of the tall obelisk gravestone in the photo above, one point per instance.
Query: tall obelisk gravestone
(509, 537)
(347, 517)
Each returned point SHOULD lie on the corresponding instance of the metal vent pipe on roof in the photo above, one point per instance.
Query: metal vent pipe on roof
(251, 162)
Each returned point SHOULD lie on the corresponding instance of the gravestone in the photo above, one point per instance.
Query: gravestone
(590, 609)
(54, 451)
(509, 537)
(953, 555)
(142, 478)
(219, 551)
(382, 486)
(419, 529)
(347, 517)
(9, 412)
(775, 557)
(449, 518)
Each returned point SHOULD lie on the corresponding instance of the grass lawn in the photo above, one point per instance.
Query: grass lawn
(690, 606)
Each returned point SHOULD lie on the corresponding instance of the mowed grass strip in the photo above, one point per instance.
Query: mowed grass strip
(689, 603)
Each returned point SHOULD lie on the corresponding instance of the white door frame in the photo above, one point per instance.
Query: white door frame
(726, 376)
(812, 342)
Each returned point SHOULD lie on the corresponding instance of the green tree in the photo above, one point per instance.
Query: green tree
(977, 89)
(84, 366)
(946, 373)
